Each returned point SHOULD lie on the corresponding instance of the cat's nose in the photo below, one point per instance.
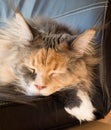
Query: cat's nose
(39, 87)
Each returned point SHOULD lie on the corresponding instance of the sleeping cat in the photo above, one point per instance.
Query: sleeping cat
(41, 57)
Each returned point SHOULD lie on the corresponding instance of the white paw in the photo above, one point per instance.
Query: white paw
(85, 111)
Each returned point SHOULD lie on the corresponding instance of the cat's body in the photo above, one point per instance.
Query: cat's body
(43, 57)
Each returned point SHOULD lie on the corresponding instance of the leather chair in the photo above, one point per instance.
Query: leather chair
(48, 112)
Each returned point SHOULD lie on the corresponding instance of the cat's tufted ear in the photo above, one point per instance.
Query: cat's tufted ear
(81, 43)
(23, 31)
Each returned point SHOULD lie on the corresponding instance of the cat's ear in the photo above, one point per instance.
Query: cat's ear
(81, 43)
(24, 31)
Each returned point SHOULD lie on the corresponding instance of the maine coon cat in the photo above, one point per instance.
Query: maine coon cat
(41, 57)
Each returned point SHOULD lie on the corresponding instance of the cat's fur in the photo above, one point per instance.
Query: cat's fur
(41, 57)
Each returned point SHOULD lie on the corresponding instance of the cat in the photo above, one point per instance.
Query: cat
(40, 57)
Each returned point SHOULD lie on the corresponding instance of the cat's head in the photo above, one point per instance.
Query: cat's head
(65, 60)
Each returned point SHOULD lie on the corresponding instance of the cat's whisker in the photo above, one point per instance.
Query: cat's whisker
(83, 9)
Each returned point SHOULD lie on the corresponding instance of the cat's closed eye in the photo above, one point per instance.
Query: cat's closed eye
(56, 73)
(31, 72)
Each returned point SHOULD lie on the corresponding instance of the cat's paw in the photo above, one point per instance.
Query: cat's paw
(83, 112)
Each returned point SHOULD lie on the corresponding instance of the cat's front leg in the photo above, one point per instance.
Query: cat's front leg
(83, 110)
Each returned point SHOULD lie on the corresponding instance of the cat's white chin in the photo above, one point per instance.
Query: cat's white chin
(33, 91)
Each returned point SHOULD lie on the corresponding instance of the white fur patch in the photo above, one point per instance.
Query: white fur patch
(29, 89)
(32, 91)
(85, 110)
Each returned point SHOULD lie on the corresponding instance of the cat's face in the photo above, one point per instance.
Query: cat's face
(46, 72)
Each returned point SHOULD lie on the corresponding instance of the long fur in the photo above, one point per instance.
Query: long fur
(46, 41)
